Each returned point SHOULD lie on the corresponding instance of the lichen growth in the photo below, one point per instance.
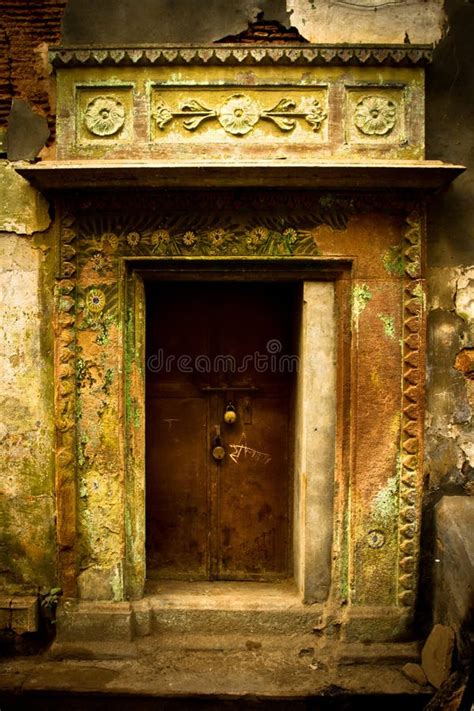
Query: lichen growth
(81, 450)
(388, 323)
(361, 296)
(108, 380)
(385, 502)
(393, 260)
(418, 292)
(83, 373)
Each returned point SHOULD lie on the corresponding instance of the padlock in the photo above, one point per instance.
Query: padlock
(217, 450)
(230, 414)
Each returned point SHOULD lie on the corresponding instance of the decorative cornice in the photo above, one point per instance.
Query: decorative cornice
(327, 175)
(405, 55)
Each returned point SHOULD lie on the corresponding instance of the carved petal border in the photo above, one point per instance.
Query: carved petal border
(65, 404)
(412, 411)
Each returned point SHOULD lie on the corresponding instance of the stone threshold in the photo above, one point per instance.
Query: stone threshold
(208, 640)
(266, 673)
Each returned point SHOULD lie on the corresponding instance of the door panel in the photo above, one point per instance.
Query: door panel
(177, 492)
(227, 519)
(253, 492)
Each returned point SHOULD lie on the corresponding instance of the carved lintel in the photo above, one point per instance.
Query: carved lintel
(239, 113)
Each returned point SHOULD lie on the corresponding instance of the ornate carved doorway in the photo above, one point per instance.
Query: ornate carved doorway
(221, 365)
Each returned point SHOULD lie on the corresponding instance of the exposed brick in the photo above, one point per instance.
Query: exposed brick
(26, 27)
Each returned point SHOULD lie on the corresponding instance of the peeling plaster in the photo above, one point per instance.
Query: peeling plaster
(23, 210)
(464, 300)
(371, 21)
(450, 402)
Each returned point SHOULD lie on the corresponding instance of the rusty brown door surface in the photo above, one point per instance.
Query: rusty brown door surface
(214, 348)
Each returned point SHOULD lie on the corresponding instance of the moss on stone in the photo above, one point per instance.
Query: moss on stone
(361, 296)
(388, 323)
(393, 260)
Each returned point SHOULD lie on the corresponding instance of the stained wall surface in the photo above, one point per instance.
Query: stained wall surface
(27, 548)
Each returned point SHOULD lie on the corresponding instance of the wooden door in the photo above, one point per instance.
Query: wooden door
(213, 347)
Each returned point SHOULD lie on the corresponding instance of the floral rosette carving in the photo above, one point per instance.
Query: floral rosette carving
(375, 115)
(189, 239)
(238, 114)
(95, 301)
(160, 240)
(104, 116)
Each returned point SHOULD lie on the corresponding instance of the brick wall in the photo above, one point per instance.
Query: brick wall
(27, 27)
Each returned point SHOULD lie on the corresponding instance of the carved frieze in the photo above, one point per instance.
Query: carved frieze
(224, 112)
(239, 113)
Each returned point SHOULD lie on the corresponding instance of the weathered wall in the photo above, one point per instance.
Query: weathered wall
(25, 28)
(27, 544)
(450, 403)
(27, 506)
(370, 21)
(181, 21)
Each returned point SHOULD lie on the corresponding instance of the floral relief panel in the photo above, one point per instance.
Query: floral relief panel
(222, 115)
(375, 115)
(104, 114)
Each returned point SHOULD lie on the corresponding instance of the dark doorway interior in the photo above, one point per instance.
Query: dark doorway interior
(219, 493)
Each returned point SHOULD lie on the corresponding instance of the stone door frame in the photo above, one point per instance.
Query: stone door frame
(125, 577)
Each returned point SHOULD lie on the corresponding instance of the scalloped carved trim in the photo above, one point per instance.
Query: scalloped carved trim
(316, 55)
(65, 405)
(412, 415)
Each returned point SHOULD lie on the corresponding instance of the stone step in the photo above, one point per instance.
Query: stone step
(217, 622)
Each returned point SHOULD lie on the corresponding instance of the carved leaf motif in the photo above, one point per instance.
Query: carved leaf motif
(194, 105)
(162, 114)
(316, 115)
(286, 124)
(192, 124)
(203, 113)
(283, 105)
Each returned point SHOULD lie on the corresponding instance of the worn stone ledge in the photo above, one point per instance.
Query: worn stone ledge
(235, 55)
(374, 174)
(19, 614)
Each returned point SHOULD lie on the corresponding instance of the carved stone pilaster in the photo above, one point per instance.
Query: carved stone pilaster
(65, 405)
(412, 411)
